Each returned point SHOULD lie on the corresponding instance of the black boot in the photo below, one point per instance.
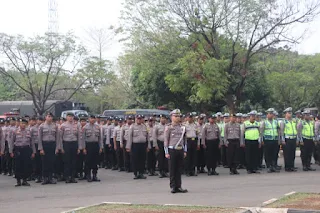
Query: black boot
(95, 178)
(25, 183)
(68, 180)
(141, 176)
(73, 180)
(18, 183)
(82, 177)
(45, 181)
(89, 179)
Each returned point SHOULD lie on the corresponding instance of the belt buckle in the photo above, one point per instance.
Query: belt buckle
(179, 148)
(193, 139)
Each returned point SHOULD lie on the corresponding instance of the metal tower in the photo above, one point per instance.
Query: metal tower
(53, 25)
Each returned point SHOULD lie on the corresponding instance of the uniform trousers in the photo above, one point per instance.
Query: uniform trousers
(138, 157)
(23, 162)
(242, 156)
(92, 158)
(48, 159)
(212, 150)
(252, 155)
(224, 155)
(191, 158)
(70, 158)
(112, 154)
(106, 154)
(9, 160)
(306, 152)
(37, 163)
(175, 167)
(232, 153)
(271, 152)
(59, 164)
(289, 152)
(151, 159)
(162, 160)
(317, 150)
(201, 157)
(4, 158)
(80, 162)
(261, 155)
(127, 158)
(120, 157)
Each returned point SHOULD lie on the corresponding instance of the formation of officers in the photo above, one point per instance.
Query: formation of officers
(45, 150)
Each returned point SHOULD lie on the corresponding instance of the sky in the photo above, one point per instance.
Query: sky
(30, 17)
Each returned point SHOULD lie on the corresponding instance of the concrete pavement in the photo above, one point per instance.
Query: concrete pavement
(224, 190)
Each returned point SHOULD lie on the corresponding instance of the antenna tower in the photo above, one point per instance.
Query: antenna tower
(53, 26)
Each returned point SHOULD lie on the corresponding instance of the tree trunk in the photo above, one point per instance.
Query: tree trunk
(230, 103)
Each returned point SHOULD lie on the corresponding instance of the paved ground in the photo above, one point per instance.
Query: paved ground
(225, 190)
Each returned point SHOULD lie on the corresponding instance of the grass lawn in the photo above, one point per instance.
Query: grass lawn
(112, 208)
(298, 201)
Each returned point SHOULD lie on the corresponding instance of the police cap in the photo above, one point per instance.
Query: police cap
(289, 110)
(270, 110)
(92, 116)
(23, 120)
(175, 112)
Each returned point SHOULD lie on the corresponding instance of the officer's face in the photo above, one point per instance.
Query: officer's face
(270, 116)
(12, 123)
(83, 122)
(32, 122)
(252, 118)
(289, 115)
(200, 121)
(238, 120)
(211, 120)
(175, 118)
(226, 119)
(23, 125)
(129, 121)
(163, 120)
(49, 118)
(92, 120)
(39, 122)
(233, 119)
(190, 119)
(307, 117)
(69, 118)
(139, 120)
(116, 122)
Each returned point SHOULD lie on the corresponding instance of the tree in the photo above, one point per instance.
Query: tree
(43, 66)
(227, 35)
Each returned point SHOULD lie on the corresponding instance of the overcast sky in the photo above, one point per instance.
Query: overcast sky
(30, 17)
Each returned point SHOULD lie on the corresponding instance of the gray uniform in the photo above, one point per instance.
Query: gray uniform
(2, 140)
(69, 132)
(317, 130)
(116, 133)
(233, 131)
(34, 130)
(104, 131)
(124, 134)
(92, 134)
(211, 132)
(21, 138)
(158, 134)
(110, 130)
(151, 143)
(137, 134)
(172, 137)
(48, 133)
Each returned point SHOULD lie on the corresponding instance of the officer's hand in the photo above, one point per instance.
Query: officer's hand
(33, 155)
(148, 150)
(301, 143)
(62, 151)
(1, 153)
(78, 151)
(226, 145)
(84, 151)
(128, 150)
(109, 145)
(42, 152)
(198, 147)
(115, 148)
(260, 145)
(11, 155)
(242, 145)
(219, 146)
(157, 148)
(283, 143)
(57, 152)
(100, 151)
(167, 156)
(185, 155)
(121, 146)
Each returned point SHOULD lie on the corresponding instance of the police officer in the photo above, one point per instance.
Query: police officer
(2, 142)
(152, 147)
(289, 140)
(123, 142)
(116, 140)
(269, 132)
(5, 150)
(48, 147)
(81, 155)
(212, 142)
(34, 131)
(10, 130)
(192, 143)
(92, 148)
(158, 138)
(201, 160)
(137, 144)
(110, 141)
(306, 137)
(69, 136)
(176, 150)
(233, 140)
(317, 136)
(106, 143)
(242, 149)
(252, 143)
(23, 150)
(226, 119)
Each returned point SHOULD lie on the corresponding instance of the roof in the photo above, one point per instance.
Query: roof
(24, 103)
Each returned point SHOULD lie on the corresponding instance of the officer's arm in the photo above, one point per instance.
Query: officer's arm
(226, 134)
(166, 139)
(33, 146)
(204, 133)
(58, 139)
(130, 137)
(121, 135)
(261, 129)
(219, 136)
(40, 138)
(155, 136)
(100, 139)
(84, 136)
(79, 137)
(316, 130)
(242, 132)
(282, 131)
(2, 143)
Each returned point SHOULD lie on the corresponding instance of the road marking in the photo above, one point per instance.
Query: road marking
(120, 203)
(290, 193)
(269, 201)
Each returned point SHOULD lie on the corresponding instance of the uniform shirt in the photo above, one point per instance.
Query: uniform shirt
(211, 132)
(69, 132)
(300, 127)
(10, 131)
(233, 131)
(150, 140)
(283, 126)
(2, 140)
(116, 133)
(110, 133)
(21, 138)
(137, 134)
(34, 131)
(174, 135)
(92, 134)
(199, 132)
(317, 130)
(5, 132)
(124, 133)
(158, 134)
(191, 130)
(263, 127)
(48, 133)
(81, 138)
(104, 131)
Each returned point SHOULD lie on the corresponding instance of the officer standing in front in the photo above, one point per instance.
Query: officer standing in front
(158, 137)
(306, 137)
(176, 150)
(289, 140)
(152, 147)
(269, 132)
(23, 150)
(201, 159)
(211, 138)
(69, 136)
(192, 144)
(116, 140)
(123, 143)
(92, 148)
(48, 147)
(252, 143)
(137, 145)
(233, 140)
(34, 131)
(317, 136)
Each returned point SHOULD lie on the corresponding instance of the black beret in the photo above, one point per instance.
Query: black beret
(76, 118)
(150, 118)
(49, 113)
(70, 114)
(40, 118)
(1, 121)
(129, 117)
(110, 118)
(23, 120)
(120, 120)
(92, 116)
(33, 118)
(139, 116)
(11, 118)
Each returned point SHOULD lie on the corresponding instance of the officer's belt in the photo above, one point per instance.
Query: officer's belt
(192, 139)
(44, 142)
(290, 137)
(176, 147)
(21, 147)
(305, 137)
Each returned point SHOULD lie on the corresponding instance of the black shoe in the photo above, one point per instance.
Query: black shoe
(173, 191)
(45, 181)
(194, 174)
(52, 181)
(188, 175)
(136, 177)
(270, 170)
(141, 176)
(161, 175)
(180, 190)
(214, 172)
(95, 178)
(18, 183)
(121, 170)
(38, 180)
(73, 180)
(114, 168)
(256, 171)
(10, 174)
(29, 179)
(89, 179)
(236, 172)
(293, 169)
(311, 169)
(225, 166)
(249, 172)
(68, 180)
(305, 169)
(25, 183)
(77, 175)
(287, 170)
